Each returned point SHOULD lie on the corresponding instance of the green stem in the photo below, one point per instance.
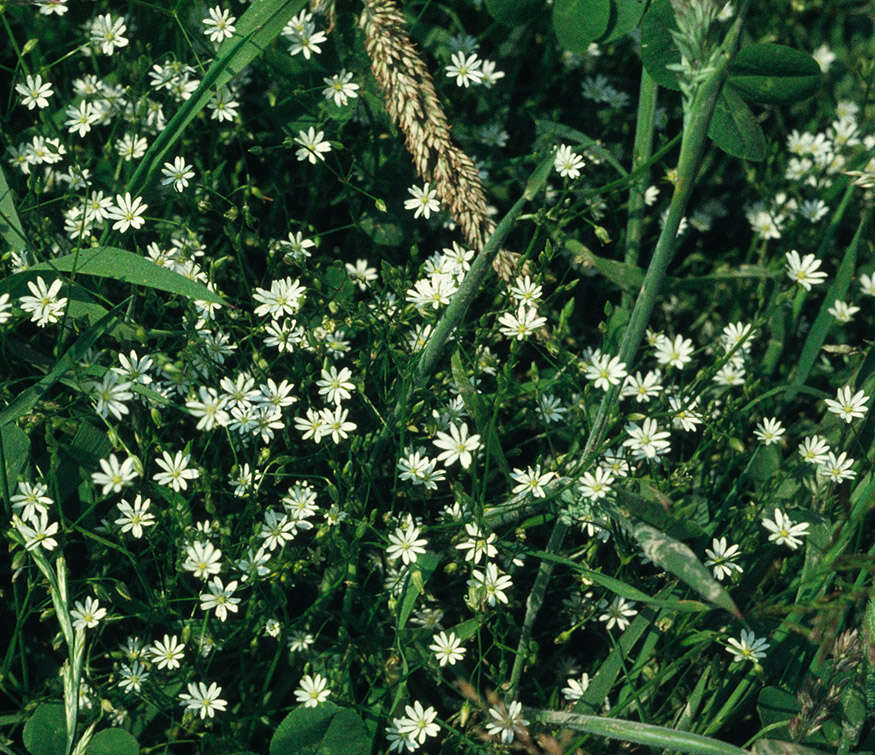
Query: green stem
(692, 149)
(641, 152)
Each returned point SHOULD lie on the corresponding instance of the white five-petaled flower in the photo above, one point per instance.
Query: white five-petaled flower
(457, 445)
(340, 88)
(418, 724)
(617, 613)
(491, 584)
(814, 449)
(531, 481)
(202, 699)
(674, 352)
(406, 543)
(313, 146)
(167, 653)
(87, 615)
(34, 92)
(522, 324)
(312, 690)
(720, 558)
(44, 306)
(785, 531)
(220, 598)
(134, 517)
(448, 648)
(219, 26)
(606, 371)
(506, 721)
(837, 468)
(846, 406)
(465, 69)
(769, 431)
(804, 271)
(567, 163)
(423, 200)
(748, 648)
(176, 471)
(178, 173)
(647, 441)
(127, 212)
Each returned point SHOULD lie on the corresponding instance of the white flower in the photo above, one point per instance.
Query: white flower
(87, 615)
(313, 145)
(335, 424)
(491, 585)
(647, 441)
(804, 271)
(457, 445)
(531, 481)
(784, 531)
(127, 213)
(606, 371)
(312, 690)
(595, 485)
(466, 70)
(424, 200)
(176, 471)
(643, 388)
(202, 699)
(837, 468)
(406, 543)
(523, 324)
(203, 559)
(34, 92)
(769, 430)
(167, 653)
(340, 88)
(114, 475)
(567, 163)
(45, 306)
(675, 352)
(178, 173)
(867, 284)
(335, 386)
(418, 724)
(477, 544)
(108, 33)
(720, 558)
(448, 648)
(846, 406)
(505, 723)
(219, 26)
(748, 648)
(617, 613)
(814, 450)
(575, 688)
(220, 598)
(134, 517)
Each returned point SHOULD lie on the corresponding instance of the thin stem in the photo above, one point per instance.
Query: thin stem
(641, 152)
(690, 158)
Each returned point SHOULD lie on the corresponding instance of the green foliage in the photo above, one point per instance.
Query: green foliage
(734, 128)
(322, 730)
(774, 74)
(513, 12)
(45, 732)
(113, 742)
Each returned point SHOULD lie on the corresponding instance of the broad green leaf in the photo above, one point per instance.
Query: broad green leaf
(302, 730)
(625, 16)
(657, 47)
(579, 22)
(113, 742)
(338, 285)
(420, 572)
(347, 734)
(15, 447)
(678, 559)
(735, 129)
(259, 25)
(513, 12)
(27, 399)
(10, 226)
(774, 74)
(89, 445)
(45, 732)
(111, 262)
(635, 731)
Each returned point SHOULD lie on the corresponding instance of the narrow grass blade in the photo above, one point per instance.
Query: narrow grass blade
(121, 265)
(10, 226)
(256, 29)
(26, 400)
(634, 731)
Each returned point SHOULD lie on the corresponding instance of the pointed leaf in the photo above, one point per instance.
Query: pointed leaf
(259, 25)
(735, 129)
(635, 731)
(113, 742)
(45, 732)
(677, 558)
(10, 226)
(111, 262)
(420, 572)
(625, 16)
(15, 447)
(302, 730)
(577, 23)
(774, 74)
